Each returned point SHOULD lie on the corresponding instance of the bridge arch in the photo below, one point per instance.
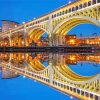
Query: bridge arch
(36, 32)
(35, 65)
(66, 25)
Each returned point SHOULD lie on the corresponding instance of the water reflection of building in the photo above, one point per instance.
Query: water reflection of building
(33, 67)
(16, 60)
(71, 59)
(75, 58)
(6, 73)
(4, 56)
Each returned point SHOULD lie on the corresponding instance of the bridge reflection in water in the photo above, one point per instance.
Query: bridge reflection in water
(57, 70)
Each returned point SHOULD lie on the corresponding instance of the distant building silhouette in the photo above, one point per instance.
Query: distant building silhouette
(7, 24)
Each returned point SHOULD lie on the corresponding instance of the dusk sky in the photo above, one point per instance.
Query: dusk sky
(25, 10)
(22, 11)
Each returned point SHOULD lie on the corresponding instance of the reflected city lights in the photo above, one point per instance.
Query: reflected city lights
(46, 50)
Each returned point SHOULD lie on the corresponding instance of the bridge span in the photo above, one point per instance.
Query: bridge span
(57, 24)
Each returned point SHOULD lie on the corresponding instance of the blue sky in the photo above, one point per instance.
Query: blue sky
(25, 10)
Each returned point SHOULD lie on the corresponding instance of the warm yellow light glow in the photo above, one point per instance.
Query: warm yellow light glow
(72, 57)
(72, 41)
(22, 42)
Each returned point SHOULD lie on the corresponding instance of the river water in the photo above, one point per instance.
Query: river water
(23, 88)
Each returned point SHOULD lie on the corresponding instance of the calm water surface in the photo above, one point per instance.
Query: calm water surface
(23, 88)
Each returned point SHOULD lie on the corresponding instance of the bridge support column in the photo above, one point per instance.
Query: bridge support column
(24, 36)
(51, 70)
(10, 42)
(50, 40)
(50, 29)
(62, 40)
(53, 40)
(57, 40)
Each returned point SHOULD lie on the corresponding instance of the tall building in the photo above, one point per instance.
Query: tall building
(7, 24)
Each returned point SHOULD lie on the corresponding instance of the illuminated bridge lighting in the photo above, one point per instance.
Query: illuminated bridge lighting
(57, 73)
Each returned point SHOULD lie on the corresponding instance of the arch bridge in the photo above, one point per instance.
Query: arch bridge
(56, 24)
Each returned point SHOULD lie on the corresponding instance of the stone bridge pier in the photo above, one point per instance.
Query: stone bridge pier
(57, 40)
